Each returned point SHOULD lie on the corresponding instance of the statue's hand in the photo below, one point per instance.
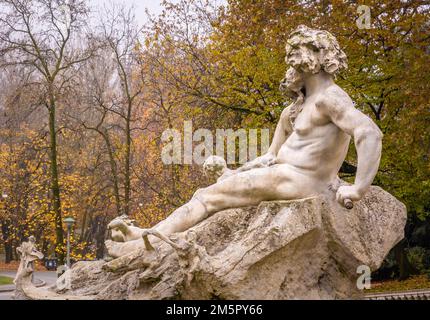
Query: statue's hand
(269, 160)
(263, 161)
(345, 193)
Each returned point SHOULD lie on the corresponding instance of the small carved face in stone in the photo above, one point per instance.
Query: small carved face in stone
(214, 166)
(118, 226)
(117, 235)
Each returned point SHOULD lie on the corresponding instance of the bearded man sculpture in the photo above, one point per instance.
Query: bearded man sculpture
(309, 145)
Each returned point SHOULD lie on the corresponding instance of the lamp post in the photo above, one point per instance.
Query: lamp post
(69, 221)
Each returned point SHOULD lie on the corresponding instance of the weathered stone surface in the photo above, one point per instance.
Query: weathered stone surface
(300, 249)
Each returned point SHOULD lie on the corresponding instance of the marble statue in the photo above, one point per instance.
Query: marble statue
(24, 275)
(282, 226)
(309, 145)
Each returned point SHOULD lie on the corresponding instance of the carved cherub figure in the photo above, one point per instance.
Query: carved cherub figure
(28, 254)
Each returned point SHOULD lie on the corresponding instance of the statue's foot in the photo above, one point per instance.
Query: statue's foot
(119, 249)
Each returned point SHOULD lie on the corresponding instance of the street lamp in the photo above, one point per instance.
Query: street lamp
(69, 221)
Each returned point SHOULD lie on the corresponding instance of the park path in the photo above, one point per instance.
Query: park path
(47, 276)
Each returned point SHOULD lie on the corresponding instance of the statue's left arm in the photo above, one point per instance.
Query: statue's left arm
(282, 132)
(338, 107)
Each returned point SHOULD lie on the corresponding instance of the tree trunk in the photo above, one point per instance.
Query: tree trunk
(406, 269)
(84, 223)
(8, 249)
(55, 188)
(127, 184)
(100, 241)
(114, 171)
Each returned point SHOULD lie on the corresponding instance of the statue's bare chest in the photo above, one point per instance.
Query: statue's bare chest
(309, 120)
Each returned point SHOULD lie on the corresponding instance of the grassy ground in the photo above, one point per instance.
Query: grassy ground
(5, 280)
(413, 283)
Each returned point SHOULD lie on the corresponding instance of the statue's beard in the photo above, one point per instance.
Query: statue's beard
(292, 85)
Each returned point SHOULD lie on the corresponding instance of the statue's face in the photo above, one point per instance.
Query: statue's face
(302, 56)
(117, 225)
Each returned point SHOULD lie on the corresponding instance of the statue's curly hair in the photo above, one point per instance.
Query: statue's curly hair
(331, 57)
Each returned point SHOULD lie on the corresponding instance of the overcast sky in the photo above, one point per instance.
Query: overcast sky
(153, 6)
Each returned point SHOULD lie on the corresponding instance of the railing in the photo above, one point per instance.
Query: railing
(423, 294)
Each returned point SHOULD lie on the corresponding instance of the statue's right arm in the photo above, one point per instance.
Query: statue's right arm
(282, 131)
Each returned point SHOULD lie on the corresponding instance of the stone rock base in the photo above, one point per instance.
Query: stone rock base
(302, 249)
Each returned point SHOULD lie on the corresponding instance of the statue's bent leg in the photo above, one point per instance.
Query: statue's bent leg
(247, 188)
